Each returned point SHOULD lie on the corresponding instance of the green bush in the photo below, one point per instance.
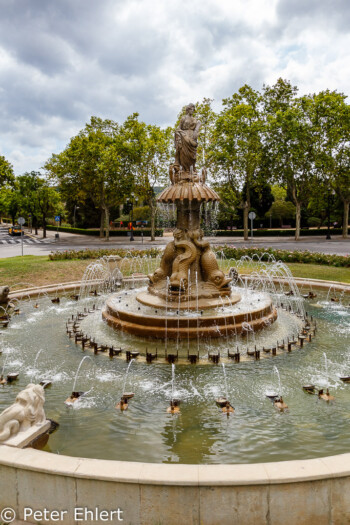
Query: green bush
(314, 221)
(287, 256)
(277, 233)
(229, 252)
(96, 254)
(112, 233)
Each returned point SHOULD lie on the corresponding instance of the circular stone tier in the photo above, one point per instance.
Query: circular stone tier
(212, 324)
(191, 191)
(202, 303)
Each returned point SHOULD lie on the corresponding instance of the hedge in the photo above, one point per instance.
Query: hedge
(96, 254)
(230, 252)
(287, 256)
(112, 233)
(278, 233)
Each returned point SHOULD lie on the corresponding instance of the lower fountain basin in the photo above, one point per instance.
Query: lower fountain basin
(227, 321)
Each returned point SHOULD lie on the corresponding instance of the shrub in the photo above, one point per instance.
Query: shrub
(229, 252)
(96, 254)
(112, 233)
(287, 256)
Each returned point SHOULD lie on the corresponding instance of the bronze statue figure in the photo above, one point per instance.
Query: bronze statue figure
(186, 143)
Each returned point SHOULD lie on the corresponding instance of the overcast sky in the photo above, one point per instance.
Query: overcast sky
(62, 61)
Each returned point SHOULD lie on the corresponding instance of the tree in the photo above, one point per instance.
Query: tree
(331, 121)
(98, 163)
(28, 185)
(289, 143)
(6, 171)
(236, 153)
(153, 160)
(11, 201)
(281, 210)
(48, 200)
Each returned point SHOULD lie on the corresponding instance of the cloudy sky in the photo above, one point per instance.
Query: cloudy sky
(62, 61)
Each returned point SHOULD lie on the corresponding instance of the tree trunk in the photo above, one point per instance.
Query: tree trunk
(44, 226)
(153, 213)
(107, 222)
(345, 219)
(297, 220)
(35, 224)
(102, 223)
(245, 220)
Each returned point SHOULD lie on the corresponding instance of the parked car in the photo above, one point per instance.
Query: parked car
(15, 230)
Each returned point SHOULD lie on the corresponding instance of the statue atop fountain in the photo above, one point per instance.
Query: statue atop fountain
(188, 270)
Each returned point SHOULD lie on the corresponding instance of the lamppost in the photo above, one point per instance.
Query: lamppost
(75, 209)
(131, 215)
(329, 194)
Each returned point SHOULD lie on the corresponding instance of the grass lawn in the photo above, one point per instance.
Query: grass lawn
(31, 270)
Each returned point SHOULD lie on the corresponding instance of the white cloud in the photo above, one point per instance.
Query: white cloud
(61, 62)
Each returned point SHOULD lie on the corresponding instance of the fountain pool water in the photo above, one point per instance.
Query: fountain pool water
(200, 433)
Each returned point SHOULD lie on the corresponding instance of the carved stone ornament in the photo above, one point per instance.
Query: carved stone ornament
(27, 411)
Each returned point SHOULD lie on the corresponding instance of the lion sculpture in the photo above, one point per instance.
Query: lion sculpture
(27, 411)
(4, 295)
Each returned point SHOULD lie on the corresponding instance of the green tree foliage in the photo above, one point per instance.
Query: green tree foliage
(28, 185)
(290, 143)
(236, 153)
(152, 164)
(281, 210)
(48, 201)
(98, 163)
(11, 201)
(6, 172)
(331, 124)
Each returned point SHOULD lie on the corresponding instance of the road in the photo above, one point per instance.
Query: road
(7, 239)
(35, 245)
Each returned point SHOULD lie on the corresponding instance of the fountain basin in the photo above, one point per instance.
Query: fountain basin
(214, 323)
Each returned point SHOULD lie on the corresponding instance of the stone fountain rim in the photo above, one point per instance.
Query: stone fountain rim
(35, 291)
(223, 474)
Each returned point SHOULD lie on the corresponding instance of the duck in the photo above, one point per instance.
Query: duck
(228, 408)
(173, 408)
(325, 396)
(279, 404)
(73, 398)
(55, 300)
(2, 381)
(123, 404)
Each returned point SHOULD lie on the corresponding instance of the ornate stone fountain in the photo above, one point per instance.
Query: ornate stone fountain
(189, 278)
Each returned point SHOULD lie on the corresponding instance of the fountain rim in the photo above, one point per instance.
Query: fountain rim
(221, 474)
(36, 291)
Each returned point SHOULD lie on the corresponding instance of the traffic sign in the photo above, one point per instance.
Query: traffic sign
(57, 218)
(252, 215)
(21, 221)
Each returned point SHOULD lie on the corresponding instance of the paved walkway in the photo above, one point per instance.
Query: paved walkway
(69, 241)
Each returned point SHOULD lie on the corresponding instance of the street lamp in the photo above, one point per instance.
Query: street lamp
(131, 215)
(75, 209)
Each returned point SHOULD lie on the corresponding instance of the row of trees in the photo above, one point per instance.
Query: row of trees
(30, 195)
(107, 162)
(300, 143)
(273, 138)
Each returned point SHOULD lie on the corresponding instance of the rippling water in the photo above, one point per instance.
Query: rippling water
(201, 433)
